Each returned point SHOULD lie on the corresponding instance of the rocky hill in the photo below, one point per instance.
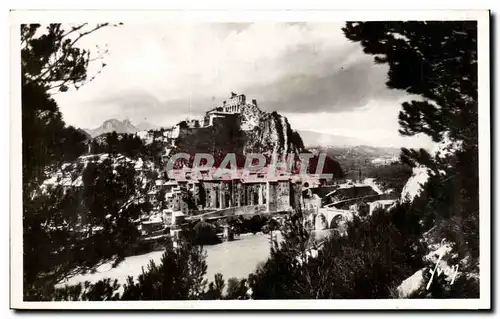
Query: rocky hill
(250, 131)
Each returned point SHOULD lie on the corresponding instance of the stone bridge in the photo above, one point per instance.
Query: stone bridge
(350, 201)
(231, 211)
(323, 218)
(328, 217)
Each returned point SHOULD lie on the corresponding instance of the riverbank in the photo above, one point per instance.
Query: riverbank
(237, 258)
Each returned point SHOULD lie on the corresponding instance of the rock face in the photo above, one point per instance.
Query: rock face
(250, 117)
(269, 134)
(414, 186)
(249, 131)
(441, 152)
(70, 174)
(439, 263)
(436, 258)
(411, 285)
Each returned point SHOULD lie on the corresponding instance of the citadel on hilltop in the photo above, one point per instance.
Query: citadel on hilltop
(229, 109)
(232, 106)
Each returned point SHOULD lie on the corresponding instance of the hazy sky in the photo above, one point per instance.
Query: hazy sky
(308, 72)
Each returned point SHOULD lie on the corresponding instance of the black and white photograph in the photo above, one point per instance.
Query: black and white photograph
(319, 160)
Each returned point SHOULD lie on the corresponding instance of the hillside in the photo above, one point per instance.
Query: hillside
(252, 131)
(356, 158)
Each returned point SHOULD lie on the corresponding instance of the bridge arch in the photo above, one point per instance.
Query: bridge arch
(334, 216)
(320, 222)
(336, 220)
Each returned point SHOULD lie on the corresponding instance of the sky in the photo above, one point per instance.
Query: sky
(308, 72)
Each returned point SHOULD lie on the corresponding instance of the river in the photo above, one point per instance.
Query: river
(237, 258)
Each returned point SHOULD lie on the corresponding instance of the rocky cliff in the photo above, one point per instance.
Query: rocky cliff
(268, 133)
(250, 131)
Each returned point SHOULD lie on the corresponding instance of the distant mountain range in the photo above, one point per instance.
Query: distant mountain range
(315, 139)
(118, 126)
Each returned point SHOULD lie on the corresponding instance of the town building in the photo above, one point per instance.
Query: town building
(241, 188)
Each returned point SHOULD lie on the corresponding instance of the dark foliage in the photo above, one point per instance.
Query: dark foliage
(373, 258)
(47, 141)
(179, 276)
(438, 61)
(393, 176)
(236, 289)
(434, 59)
(52, 59)
(65, 230)
(129, 145)
(253, 224)
(202, 233)
(73, 230)
(215, 289)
